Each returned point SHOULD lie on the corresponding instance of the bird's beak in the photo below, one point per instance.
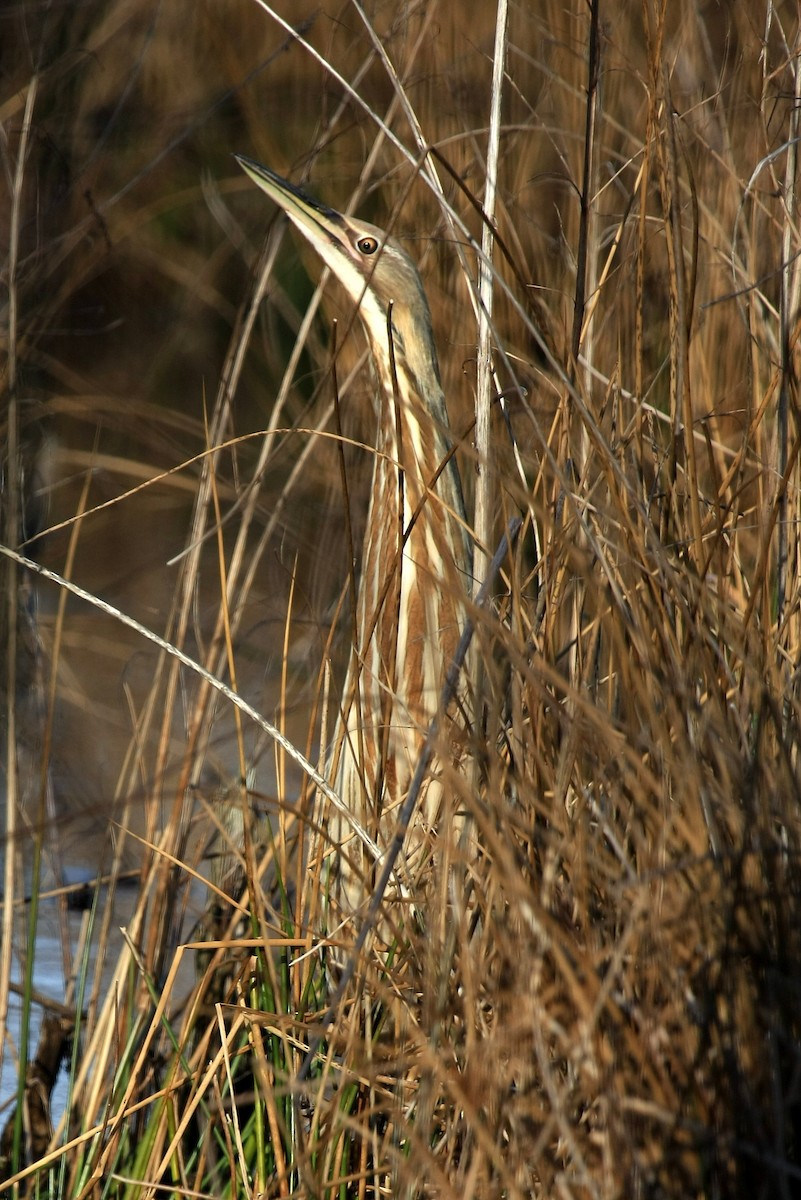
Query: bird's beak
(337, 239)
(319, 223)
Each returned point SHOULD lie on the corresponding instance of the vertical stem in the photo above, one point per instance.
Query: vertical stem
(11, 535)
(587, 189)
(684, 299)
(787, 309)
(586, 280)
(483, 512)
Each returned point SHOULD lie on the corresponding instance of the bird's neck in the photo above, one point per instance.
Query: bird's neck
(417, 505)
(414, 582)
(414, 436)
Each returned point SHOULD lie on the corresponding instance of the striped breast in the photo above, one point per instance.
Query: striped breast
(409, 617)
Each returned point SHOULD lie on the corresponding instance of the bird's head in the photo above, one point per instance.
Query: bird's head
(371, 265)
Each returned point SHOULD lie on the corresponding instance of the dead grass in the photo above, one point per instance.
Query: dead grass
(603, 996)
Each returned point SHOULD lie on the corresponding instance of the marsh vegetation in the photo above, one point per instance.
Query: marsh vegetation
(600, 997)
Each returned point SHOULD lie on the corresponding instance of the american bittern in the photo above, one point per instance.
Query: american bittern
(416, 554)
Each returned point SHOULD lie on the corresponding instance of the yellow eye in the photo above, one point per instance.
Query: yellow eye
(367, 245)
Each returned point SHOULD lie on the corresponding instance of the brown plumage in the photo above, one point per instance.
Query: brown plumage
(416, 555)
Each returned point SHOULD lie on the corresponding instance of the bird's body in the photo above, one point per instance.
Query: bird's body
(416, 555)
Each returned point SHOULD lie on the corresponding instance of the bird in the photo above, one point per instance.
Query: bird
(415, 563)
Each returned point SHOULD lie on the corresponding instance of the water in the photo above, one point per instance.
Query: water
(49, 980)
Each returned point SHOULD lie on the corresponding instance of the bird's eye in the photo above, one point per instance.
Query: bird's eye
(367, 245)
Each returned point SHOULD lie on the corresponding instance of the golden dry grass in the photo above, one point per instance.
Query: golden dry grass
(602, 999)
